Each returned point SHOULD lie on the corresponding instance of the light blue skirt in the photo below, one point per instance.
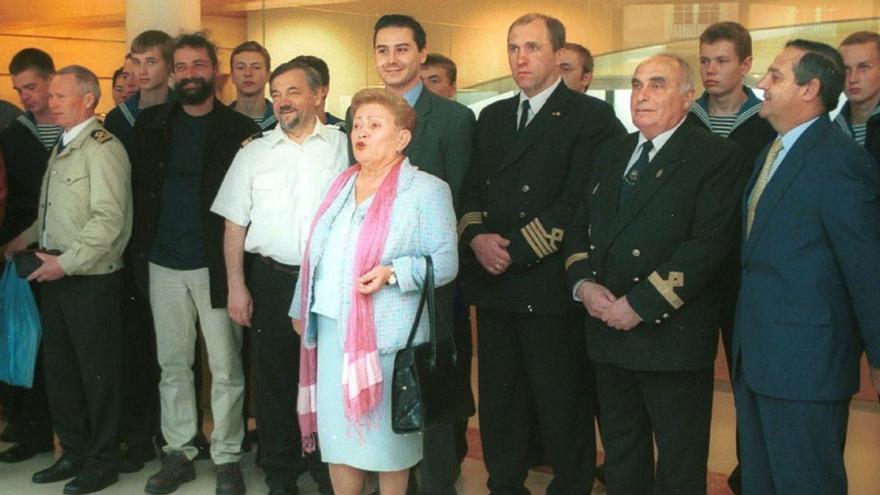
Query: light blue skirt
(376, 448)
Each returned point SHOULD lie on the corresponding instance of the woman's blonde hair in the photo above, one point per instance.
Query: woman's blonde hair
(404, 115)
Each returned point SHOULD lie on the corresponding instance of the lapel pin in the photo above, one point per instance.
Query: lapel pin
(659, 173)
(556, 114)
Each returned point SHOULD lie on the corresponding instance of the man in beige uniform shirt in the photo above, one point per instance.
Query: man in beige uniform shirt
(85, 217)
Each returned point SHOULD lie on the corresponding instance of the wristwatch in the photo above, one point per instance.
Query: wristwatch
(392, 279)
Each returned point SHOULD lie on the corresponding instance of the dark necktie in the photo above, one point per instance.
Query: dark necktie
(60, 146)
(631, 177)
(524, 117)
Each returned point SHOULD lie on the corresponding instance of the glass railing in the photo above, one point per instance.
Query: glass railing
(614, 70)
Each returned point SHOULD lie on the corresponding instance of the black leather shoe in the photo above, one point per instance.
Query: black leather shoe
(130, 462)
(63, 469)
(229, 479)
(92, 478)
(21, 452)
(176, 470)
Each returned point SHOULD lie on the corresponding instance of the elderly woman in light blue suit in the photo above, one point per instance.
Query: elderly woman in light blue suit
(358, 293)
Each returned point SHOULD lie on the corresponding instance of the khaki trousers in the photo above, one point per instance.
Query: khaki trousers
(179, 298)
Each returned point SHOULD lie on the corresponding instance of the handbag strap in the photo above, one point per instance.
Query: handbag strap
(427, 295)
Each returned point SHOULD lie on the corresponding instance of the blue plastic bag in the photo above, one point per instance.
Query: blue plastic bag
(20, 330)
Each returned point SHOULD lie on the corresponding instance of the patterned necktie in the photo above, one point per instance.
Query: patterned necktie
(524, 117)
(761, 183)
(631, 177)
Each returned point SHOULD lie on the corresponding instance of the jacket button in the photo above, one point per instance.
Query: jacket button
(636, 252)
(525, 188)
(152, 195)
(636, 279)
(658, 322)
(487, 182)
(522, 214)
(161, 164)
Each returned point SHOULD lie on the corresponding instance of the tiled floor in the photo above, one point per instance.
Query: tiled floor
(862, 458)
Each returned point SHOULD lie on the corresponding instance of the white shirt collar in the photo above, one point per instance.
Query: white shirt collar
(277, 134)
(68, 136)
(660, 139)
(538, 101)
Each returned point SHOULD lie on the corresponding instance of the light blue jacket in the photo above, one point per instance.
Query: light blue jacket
(422, 223)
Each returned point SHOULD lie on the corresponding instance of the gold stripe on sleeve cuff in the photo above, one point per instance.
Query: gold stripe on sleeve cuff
(666, 287)
(538, 238)
(471, 218)
(554, 236)
(575, 258)
(539, 251)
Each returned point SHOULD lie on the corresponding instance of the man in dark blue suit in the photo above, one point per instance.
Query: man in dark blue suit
(810, 276)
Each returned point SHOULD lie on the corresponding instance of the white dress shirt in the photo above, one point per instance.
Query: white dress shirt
(274, 187)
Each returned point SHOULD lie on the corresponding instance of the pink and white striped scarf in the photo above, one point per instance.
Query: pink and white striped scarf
(362, 372)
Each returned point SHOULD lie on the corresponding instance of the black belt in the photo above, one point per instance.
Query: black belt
(281, 267)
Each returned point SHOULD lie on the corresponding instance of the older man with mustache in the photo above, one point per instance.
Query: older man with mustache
(268, 199)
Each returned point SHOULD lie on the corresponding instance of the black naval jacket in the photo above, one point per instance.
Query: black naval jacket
(26, 161)
(526, 187)
(661, 250)
(227, 130)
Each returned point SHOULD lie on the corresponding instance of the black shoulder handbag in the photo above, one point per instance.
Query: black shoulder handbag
(430, 386)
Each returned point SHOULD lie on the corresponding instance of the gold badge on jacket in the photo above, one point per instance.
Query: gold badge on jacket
(101, 136)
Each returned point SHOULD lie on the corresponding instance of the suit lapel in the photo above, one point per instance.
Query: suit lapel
(608, 189)
(663, 166)
(785, 174)
(552, 112)
(423, 112)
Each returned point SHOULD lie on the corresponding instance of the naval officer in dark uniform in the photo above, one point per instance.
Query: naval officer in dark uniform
(642, 256)
(532, 158)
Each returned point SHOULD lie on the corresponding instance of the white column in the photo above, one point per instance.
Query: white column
(172, 16)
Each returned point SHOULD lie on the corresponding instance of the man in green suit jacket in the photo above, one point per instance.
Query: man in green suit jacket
(441, 145)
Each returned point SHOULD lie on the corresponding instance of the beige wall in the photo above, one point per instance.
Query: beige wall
(102, 49)
(471, 32)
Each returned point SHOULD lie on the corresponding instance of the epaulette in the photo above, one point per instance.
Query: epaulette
(251, 138)
(101, 136)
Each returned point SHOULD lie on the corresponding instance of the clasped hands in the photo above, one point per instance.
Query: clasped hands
(491, 252)
(600, 303)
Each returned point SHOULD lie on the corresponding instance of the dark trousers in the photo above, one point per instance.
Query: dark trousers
(443, 449)
(673, 408)
(140, 375)
(82, 349)
(790, 446)
(28, 410)
(276, 352)
(535, 366)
